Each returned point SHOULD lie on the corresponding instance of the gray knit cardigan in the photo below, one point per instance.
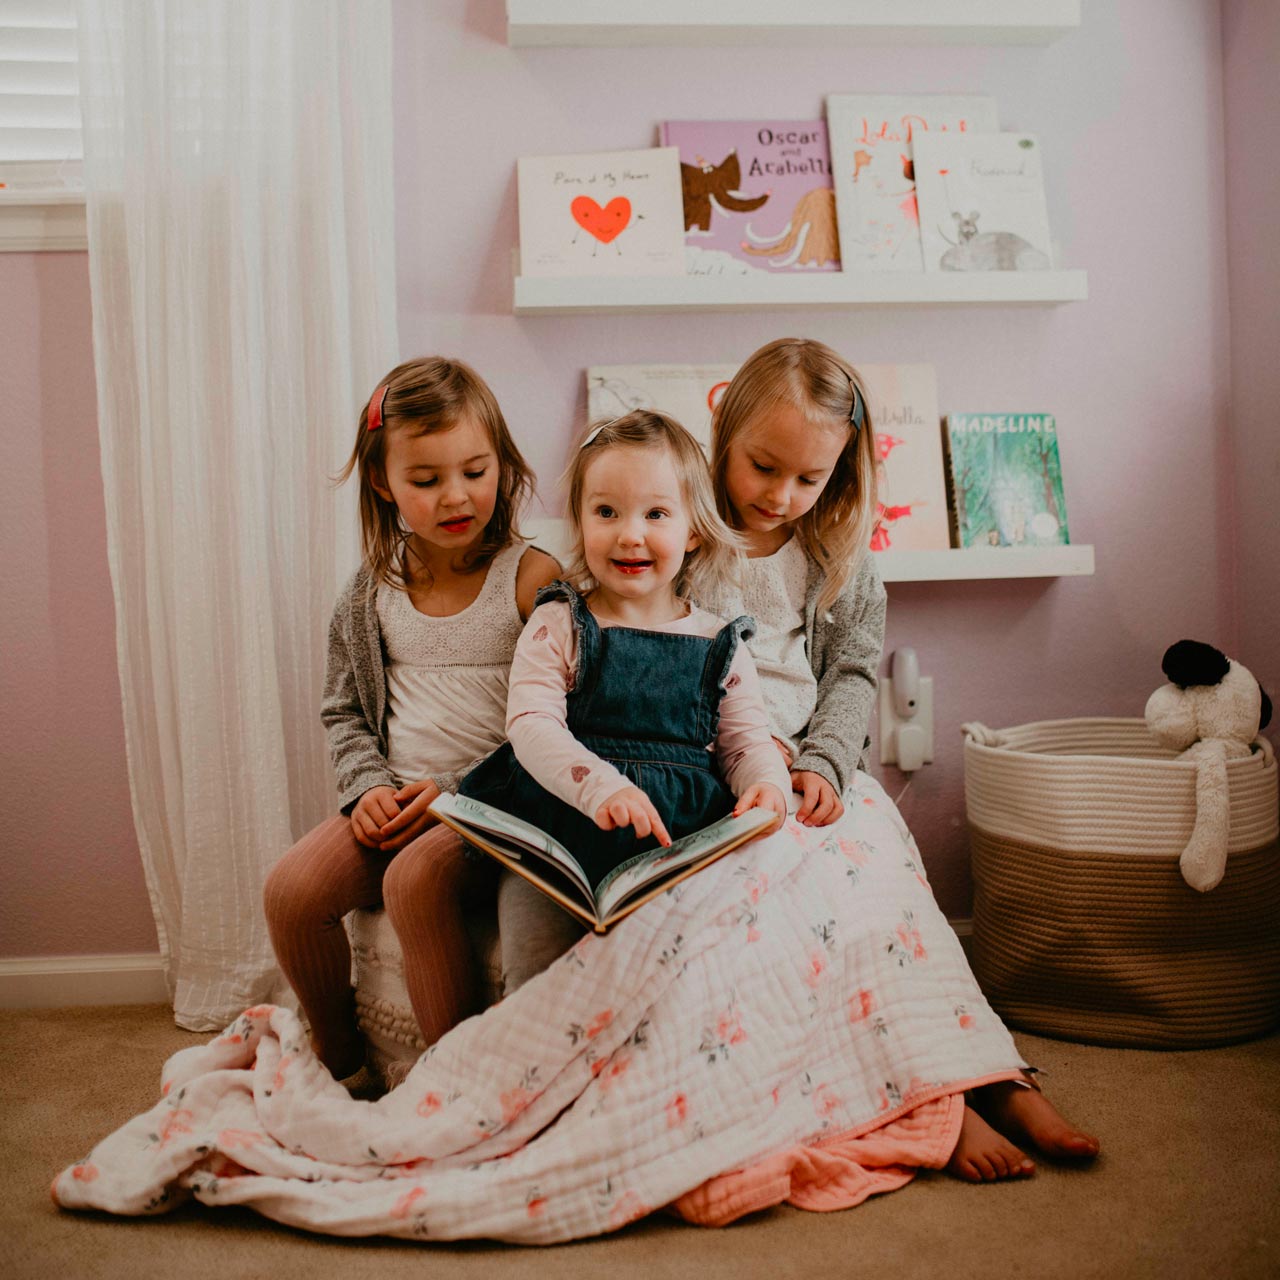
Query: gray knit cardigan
(844, 643)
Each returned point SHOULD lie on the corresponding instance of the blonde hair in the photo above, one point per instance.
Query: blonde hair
(713, 564)
(819, 384)
(425, 396)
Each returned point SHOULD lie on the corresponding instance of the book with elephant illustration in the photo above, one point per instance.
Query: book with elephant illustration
(1004, 479)
(757, 195)
(687, 392)
(982, 203)
(609, 213)
(873, 139)
(530, 852)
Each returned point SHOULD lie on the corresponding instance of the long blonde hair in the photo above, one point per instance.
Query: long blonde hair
(819, 384)
(422, 397)
(713, 564)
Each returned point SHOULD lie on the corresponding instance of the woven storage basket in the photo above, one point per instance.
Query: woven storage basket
(1083, 926)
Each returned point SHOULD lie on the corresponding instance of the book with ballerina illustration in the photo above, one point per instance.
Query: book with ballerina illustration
(612, 213)
(530, 852)
(757, 195)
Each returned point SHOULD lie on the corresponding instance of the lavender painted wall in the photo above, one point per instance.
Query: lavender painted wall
(1250, 58)
(1140, 378)
(70, 879)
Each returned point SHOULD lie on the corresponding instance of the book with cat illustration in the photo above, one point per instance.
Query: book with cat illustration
(911, 491)
(982, 205)
(608, 213)
(873, 138)
(757, 195)
(687, 392)
(529, 852)
(1004, 480)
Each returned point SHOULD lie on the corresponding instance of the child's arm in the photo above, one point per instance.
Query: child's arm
(541, 673)
(847, 643)
(354, 747)
(536, 570)
(752, 764)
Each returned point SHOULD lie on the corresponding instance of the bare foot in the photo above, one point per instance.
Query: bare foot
(982, 1155)
(1026, 1115)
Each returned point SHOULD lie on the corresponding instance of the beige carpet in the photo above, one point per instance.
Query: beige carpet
(1188, 1185)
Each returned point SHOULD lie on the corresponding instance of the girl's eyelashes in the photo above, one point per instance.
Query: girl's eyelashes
(424, 484)
(604, 512)
(760, 467)
(656, 514)
(435, 480)
(474, 475)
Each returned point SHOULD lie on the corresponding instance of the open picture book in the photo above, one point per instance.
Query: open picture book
(530, 852)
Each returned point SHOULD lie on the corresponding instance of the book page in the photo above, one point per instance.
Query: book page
(647, 868)
(512, 834)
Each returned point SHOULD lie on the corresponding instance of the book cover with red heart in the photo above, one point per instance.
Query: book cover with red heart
(757, 195)
(606, 213)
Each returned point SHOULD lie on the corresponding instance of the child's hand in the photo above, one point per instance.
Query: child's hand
(763, 795)
(630, 807)
(376, 807)
(819, 803)
(413, 819)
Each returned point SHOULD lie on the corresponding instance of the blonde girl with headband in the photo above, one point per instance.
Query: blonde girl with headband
(794, 466)
(415, 689)
(620, 684)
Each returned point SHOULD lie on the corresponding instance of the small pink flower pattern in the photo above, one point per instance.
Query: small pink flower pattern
(677, 1111)
(627, 1208)
(906, 945)
(85, 1172)
(230, 1139)
(429, 1105)
(406, 1202)
(176, 1122)
(861, 1005)
(816, 967)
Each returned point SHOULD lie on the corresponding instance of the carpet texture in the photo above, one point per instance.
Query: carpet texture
(1188, 1184)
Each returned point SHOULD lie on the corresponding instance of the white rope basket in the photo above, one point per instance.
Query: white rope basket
(1083, 926)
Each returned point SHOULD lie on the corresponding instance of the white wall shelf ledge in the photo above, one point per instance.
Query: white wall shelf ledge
(551, 534)
(536, 295)
(717, 22)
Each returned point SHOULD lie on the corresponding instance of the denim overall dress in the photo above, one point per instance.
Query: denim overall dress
(648, 702)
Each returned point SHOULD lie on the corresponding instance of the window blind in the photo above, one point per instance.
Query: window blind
(39, 91)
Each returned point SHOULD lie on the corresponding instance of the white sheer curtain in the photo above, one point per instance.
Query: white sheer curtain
(239, 189)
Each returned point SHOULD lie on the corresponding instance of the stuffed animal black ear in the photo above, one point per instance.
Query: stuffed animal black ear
(1265, 718)
(1190, 662)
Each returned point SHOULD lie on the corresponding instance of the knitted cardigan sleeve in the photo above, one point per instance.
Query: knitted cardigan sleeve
(845, 645)
(356, 747)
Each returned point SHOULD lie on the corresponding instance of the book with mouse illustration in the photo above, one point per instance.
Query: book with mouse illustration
(688, 392)
(543, 861)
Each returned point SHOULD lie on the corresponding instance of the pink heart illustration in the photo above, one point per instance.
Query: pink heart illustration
(540, 634)
(578, 772)
(733, 681)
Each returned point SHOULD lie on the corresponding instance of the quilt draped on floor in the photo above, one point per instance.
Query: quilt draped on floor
(792, 1023)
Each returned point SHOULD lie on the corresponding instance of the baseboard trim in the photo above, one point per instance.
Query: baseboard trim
(51, 982)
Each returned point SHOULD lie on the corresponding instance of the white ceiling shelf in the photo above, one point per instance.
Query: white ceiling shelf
(719, 22)
(551, 534)
(536, 295)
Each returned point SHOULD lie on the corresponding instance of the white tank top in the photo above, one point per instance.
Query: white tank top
(447, 677)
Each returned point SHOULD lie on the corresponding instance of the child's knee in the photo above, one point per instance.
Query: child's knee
(432, 865)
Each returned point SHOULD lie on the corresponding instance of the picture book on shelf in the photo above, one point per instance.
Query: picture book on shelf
(687, 392)
(609, 213)
(529, 852)
(911, 507)
(982, 205)
(1005, 480)
(757, 195)
(873, 167)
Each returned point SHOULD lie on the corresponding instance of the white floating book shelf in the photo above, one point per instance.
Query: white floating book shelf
(535, 295)
(912, 566)
(725, 22)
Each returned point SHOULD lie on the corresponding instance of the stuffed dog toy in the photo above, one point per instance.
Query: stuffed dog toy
(1211, 710)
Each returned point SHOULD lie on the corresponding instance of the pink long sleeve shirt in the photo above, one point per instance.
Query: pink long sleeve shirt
(542, 674)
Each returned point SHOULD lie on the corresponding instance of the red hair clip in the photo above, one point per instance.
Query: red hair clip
(375, 407)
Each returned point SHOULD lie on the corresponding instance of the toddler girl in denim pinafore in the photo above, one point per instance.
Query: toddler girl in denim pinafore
(653, 722)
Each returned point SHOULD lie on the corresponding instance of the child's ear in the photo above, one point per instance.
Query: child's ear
(693, 544)
(378, 483)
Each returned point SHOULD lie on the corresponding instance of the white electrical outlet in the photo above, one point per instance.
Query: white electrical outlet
(891, 722)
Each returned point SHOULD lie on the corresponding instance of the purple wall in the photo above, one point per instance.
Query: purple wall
(1171, 491)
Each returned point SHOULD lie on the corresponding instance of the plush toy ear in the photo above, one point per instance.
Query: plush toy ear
(1265, 718)
(1190, 662)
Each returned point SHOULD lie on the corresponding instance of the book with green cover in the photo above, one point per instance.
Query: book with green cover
(543, 861)
(1004, 480)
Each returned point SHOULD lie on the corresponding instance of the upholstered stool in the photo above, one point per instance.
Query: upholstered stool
(382, 1000)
